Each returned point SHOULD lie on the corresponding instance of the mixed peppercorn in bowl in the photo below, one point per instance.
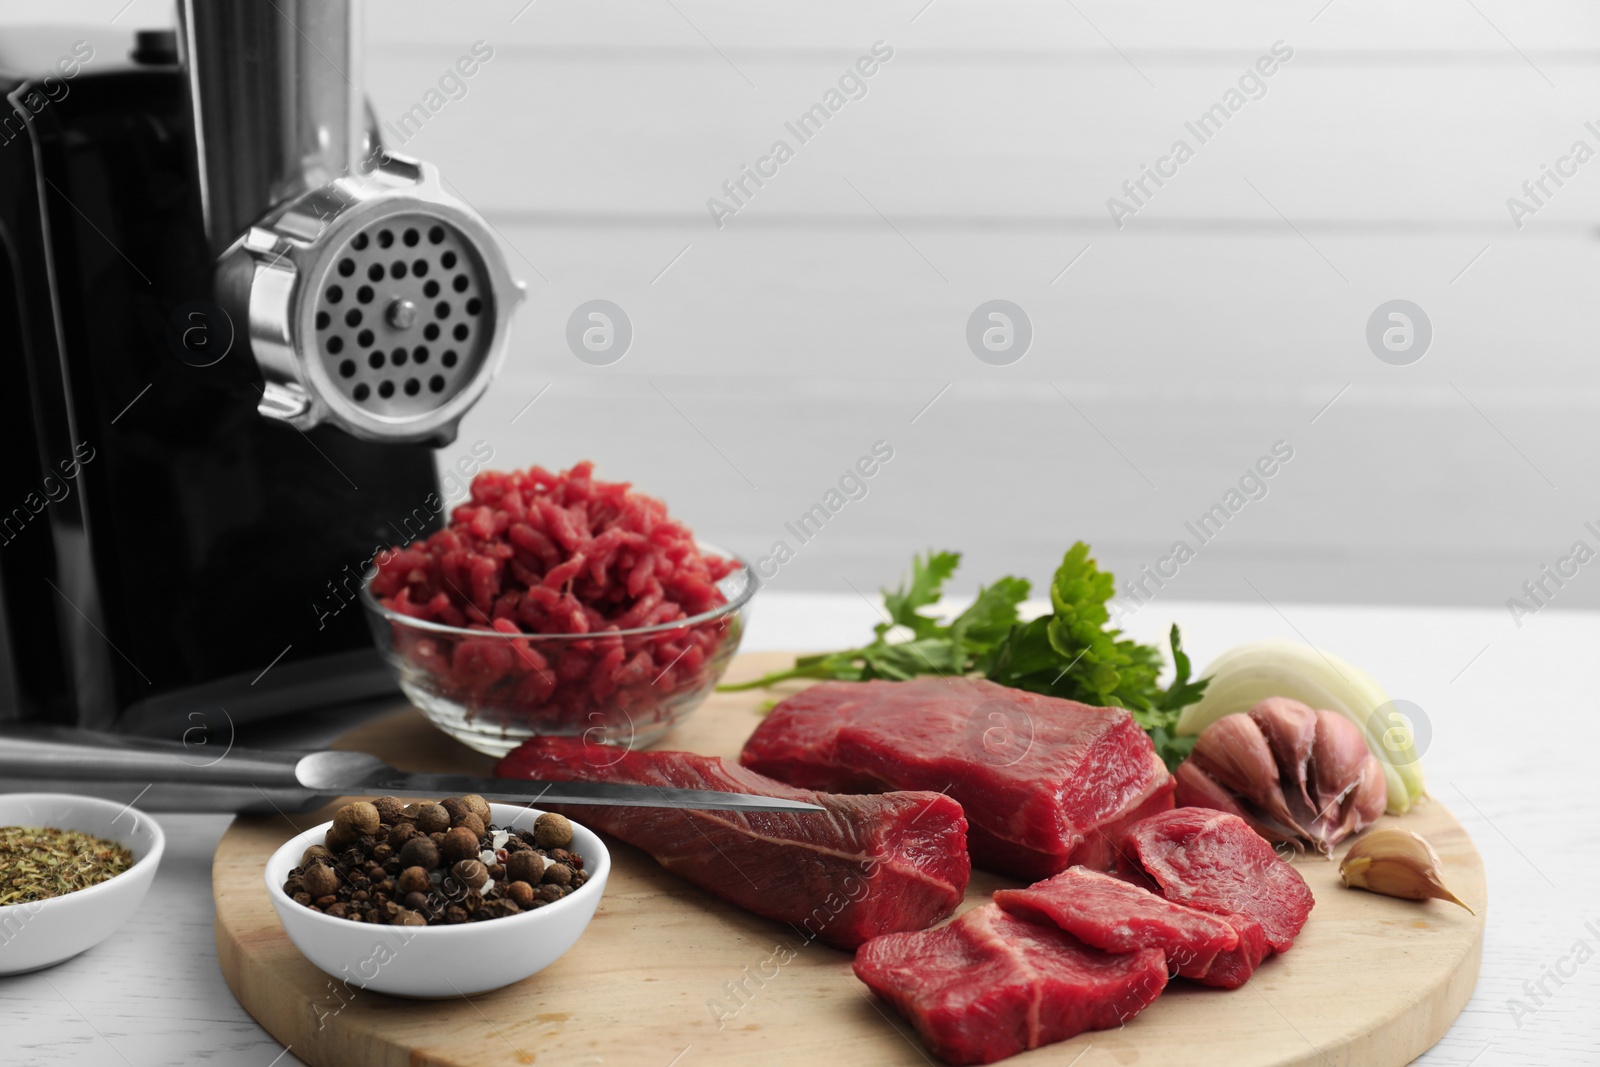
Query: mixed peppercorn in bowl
(423, 899)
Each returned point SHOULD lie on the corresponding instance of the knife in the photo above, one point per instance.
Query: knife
(40, 758)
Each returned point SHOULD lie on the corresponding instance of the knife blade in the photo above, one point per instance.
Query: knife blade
(358, 772)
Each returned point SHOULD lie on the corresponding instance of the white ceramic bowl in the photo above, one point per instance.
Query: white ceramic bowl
(43, 933)
(441, 961)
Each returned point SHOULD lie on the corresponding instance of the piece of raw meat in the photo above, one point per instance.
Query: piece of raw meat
(868, 865)
(1213, 861)
(1113, 915)
(1046, 783)
(990, 985)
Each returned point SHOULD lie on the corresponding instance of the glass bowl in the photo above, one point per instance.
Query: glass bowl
(491, 691)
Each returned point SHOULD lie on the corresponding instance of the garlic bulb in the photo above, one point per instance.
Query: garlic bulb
(1396, 863)
(1295, 775)
(1243, 676)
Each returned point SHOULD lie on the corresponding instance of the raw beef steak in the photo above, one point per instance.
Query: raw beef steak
(989, 985)
(1046, 783)
(868, 865)
(1113, 915)
(1213, 861)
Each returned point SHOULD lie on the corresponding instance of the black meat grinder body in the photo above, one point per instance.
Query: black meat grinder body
(167, 547)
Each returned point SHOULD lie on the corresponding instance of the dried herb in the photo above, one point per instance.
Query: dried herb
(37, 863)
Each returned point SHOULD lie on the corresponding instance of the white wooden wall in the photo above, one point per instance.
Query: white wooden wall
(1224, 316)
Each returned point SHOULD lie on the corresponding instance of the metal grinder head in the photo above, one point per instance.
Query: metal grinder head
(376, 303)
(371, 299)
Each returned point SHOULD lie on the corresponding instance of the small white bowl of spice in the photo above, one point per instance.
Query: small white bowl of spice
(420, 899)
(72, 870)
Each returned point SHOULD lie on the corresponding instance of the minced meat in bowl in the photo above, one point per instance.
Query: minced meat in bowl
(556, 603)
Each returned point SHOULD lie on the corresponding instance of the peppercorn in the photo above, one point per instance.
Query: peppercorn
(359, 817)
(413, 880)
(319, 880)
(338, 838)
(525, 867)
(384, 877)
(521, 893)
(459, 844)
(419, 852)
(552, 831)
(478, 806)
(432, 818)
(472, 874)
(390, 809)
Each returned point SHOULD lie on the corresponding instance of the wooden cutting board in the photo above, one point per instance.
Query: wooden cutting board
(1370, 981)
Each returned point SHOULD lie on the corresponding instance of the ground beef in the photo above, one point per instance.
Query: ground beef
(531, 552)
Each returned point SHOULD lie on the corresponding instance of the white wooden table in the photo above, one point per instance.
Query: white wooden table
(1515, 737)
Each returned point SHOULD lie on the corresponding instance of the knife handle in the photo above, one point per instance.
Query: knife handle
(61, 754)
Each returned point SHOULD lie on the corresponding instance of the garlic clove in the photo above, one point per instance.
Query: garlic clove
(1365, 802)
(1235, 753)
(1197, 789)
(1396, 863)
(1370, 797)
(1290, 728)
(1339, 757)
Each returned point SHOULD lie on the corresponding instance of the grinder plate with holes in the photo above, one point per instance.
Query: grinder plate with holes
(405, 315)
